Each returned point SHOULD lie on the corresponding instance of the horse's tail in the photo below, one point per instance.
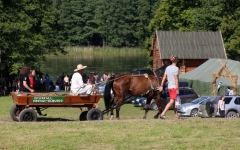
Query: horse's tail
(107, 93)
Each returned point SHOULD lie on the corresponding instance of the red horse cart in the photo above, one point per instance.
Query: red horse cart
(26, 104)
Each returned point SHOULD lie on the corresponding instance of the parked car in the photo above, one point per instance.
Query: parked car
(101, 87)
(209, 107)
(138, 101)
(191, 108)
(186, 94)
(153, 105)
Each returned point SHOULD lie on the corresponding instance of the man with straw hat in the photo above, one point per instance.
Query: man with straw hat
(77, 85)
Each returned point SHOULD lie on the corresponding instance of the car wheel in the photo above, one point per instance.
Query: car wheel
(153, 106)
(232, 114)
(194, 113)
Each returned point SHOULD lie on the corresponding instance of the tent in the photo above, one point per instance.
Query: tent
(200, 79)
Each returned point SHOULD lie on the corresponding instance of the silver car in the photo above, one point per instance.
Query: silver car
(191, 108)
(209, 108)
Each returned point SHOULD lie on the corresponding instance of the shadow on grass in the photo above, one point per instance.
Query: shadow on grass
(39, 119)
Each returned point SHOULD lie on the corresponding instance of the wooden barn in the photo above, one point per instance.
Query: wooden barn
(192, 48)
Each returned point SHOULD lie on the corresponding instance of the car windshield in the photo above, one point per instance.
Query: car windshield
(198, 100)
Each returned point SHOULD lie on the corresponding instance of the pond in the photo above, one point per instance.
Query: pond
(99, 60)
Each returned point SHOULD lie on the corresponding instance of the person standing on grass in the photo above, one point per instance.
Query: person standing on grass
(171, 73)
(32, 79)
(47, 82)
(24, 79)
(221, 107)
(66, 83)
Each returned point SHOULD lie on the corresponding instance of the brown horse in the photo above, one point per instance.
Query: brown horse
(136, 85)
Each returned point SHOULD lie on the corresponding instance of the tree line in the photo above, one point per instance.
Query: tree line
(31, 29)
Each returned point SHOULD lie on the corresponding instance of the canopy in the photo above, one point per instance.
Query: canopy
(200, 78)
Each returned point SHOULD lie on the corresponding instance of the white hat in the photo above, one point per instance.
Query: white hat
(80, 67)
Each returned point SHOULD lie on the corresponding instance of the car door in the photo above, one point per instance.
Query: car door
(183, 96)
(237, 104)
(227, 100)
(186, 95)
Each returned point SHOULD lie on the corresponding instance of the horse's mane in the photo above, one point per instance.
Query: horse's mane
(160, 71)
(123, 74)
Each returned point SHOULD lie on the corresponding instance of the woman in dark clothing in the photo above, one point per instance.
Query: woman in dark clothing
(24, 79)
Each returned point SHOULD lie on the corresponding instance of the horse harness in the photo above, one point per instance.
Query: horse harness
(152, 88)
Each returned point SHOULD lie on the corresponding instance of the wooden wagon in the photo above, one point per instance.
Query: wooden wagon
(28, 105)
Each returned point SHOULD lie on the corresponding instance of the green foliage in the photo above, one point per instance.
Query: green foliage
(27, 32)
(30, 29)
(231, 31)
(201, 15)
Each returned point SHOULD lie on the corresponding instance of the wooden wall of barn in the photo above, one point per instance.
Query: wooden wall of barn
(185, 65)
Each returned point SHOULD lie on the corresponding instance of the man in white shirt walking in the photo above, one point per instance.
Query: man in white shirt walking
(77, 85)
(171, 74)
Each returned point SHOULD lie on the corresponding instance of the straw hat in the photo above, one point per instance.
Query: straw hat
(80, 67)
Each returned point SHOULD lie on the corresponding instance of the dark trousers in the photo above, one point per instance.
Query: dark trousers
(222, 113)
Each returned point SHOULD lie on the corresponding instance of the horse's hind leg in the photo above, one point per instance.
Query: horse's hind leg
(117, 111)
(118, 107)
(159, 105)
(113, 105)
(111, 115)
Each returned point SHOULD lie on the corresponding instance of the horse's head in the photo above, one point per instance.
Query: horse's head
(160, 71)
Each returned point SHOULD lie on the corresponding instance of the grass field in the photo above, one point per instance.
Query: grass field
(62, 130)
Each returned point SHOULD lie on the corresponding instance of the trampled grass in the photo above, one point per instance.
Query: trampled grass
(62, 130)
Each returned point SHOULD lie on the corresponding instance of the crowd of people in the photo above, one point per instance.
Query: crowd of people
(29, 81)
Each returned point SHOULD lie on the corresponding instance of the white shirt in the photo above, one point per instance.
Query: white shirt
(76, 82)
(170, 72)
(230, 92)
(221, 105)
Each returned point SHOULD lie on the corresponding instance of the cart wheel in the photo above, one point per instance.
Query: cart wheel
(83, 116)
(94, 114)
(14, 113)
(27, 115)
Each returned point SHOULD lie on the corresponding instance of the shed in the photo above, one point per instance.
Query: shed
(192, 48)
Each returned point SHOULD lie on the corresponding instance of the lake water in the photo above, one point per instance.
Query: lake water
(101, 61)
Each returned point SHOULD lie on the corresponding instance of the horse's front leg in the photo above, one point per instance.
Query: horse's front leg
(159, 105)
(158, 113)
(146, 111)
(147, 107)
